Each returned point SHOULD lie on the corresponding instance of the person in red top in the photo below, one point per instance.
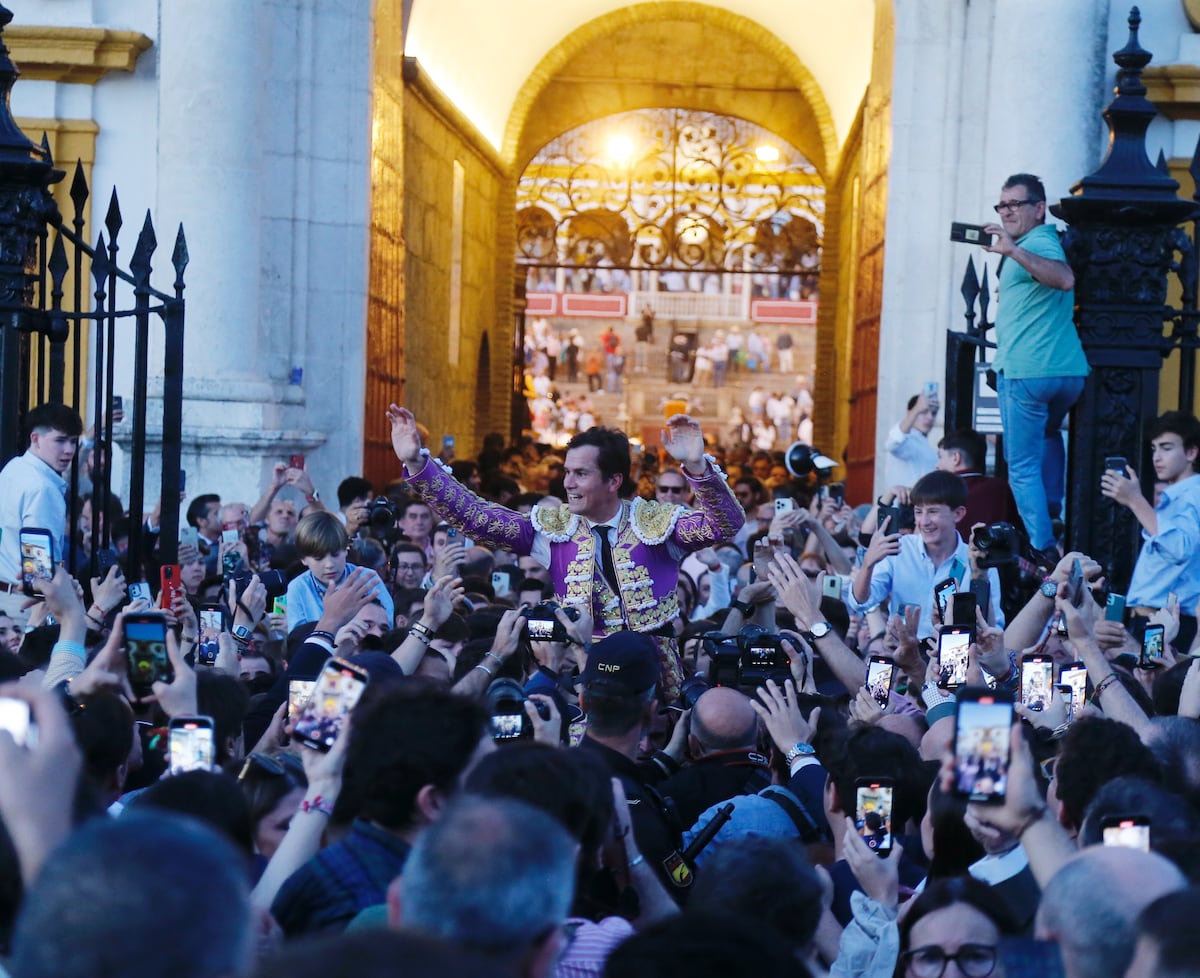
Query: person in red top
(989, 500)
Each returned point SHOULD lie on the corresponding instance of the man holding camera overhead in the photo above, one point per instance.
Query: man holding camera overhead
(616, 559)
(1040, 365)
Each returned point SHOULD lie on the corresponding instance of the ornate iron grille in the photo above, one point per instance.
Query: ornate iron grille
(671, 190)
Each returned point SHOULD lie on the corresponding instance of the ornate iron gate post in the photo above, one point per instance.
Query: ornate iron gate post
(1123, 237)
(26, 208)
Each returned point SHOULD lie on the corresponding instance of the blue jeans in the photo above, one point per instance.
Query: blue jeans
(1032, 412)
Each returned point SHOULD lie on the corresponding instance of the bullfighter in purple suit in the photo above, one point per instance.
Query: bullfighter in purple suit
(651, 538)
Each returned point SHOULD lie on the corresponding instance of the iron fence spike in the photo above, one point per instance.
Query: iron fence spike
(147, 242)
(179, 256)
(113, 220)
(970, 284)
(57, 265)
(79, 189)
(100, 262)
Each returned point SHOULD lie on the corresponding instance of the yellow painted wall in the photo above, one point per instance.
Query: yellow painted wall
(440, 392)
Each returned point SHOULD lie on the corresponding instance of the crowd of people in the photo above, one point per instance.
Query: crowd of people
(604, 712)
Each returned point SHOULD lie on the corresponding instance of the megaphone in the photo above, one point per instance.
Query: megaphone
(802, 460)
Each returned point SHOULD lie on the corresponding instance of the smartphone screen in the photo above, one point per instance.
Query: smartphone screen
(1037, 681)
(212, 624)
(280, 605)
(37, 557)
(880, 671)
(1067, 695)
(230, 536)
(190, 745)
(1075, 676)
(1130, 831)
(17, 720)
(1153, 642)
(941, 594)
(873, 813)
(981, 745)
(146, 651)
(510, 723)
(337, 690)
(299, 692)
(953, 645)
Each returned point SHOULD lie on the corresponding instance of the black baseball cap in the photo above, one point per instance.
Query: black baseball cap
(625, 662)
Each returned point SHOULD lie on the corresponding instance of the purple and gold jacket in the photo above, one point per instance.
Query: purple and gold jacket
(652, 539)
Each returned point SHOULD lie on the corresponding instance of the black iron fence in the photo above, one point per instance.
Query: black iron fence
(50, 303)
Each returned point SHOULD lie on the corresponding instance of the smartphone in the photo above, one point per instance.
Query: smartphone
(447, 443)
(953, 644)
(1117, 463)
(140, 591)
(212, 624)
(17, 719)
(962, 609)
(880, 673)
(982, 728)
(873, 813)
(183, 481)
(1075, 584)
(1067, 695)
(969, 234)
(1037, 678)
(1153, 641)
(1075, 676)
(500, 584)
(785, 504)
(230, 536)
(1024, 957)
(190, 744)
(189, 536)
(299, 693)
(836, 492)
(118, 404)
(279, 607)
(146, 651)
(941, 594)
(37, 557)
(1114, 608)
(931, 390)
(295, 461)
(337, 690)
(170, 585)
(831, 587)
(231, 560)
(1130, 831)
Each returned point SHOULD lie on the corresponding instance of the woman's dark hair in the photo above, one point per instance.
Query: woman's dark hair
(954, 847)
(266, 780)
(946, 893)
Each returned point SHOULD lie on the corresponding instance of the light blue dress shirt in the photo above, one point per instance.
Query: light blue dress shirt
(31, 494)
(909, 577)
(1170, 559)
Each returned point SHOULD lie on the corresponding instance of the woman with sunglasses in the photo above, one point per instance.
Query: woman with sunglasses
(274, 786)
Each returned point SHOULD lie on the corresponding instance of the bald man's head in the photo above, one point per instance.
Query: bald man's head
(1090, 907)
(723, 719)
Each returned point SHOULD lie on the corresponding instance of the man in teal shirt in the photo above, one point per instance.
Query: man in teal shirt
(1040, 363)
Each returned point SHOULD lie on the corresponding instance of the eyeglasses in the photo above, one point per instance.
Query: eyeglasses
(973, 960)
(277, 765)
(410, 567)
(1011, 205)
(663, 488)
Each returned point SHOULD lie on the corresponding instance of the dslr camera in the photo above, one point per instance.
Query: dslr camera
(381, 515)
(542, 624)
(506, 708)
(747, 660)
(998, 543)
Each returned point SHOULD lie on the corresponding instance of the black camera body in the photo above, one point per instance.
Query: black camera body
(747, 660)
(274, 581)
(542, 624)
(382, 514)
(998, 543)
(506, 708)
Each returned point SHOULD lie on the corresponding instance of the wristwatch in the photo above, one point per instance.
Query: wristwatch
(745, 607)
(800, 750)
(242, 634)
(1049, 588)
(819, 630)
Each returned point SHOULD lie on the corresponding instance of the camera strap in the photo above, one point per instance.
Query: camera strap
(805, 825)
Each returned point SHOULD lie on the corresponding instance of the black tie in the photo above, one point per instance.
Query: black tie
(606, 558)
